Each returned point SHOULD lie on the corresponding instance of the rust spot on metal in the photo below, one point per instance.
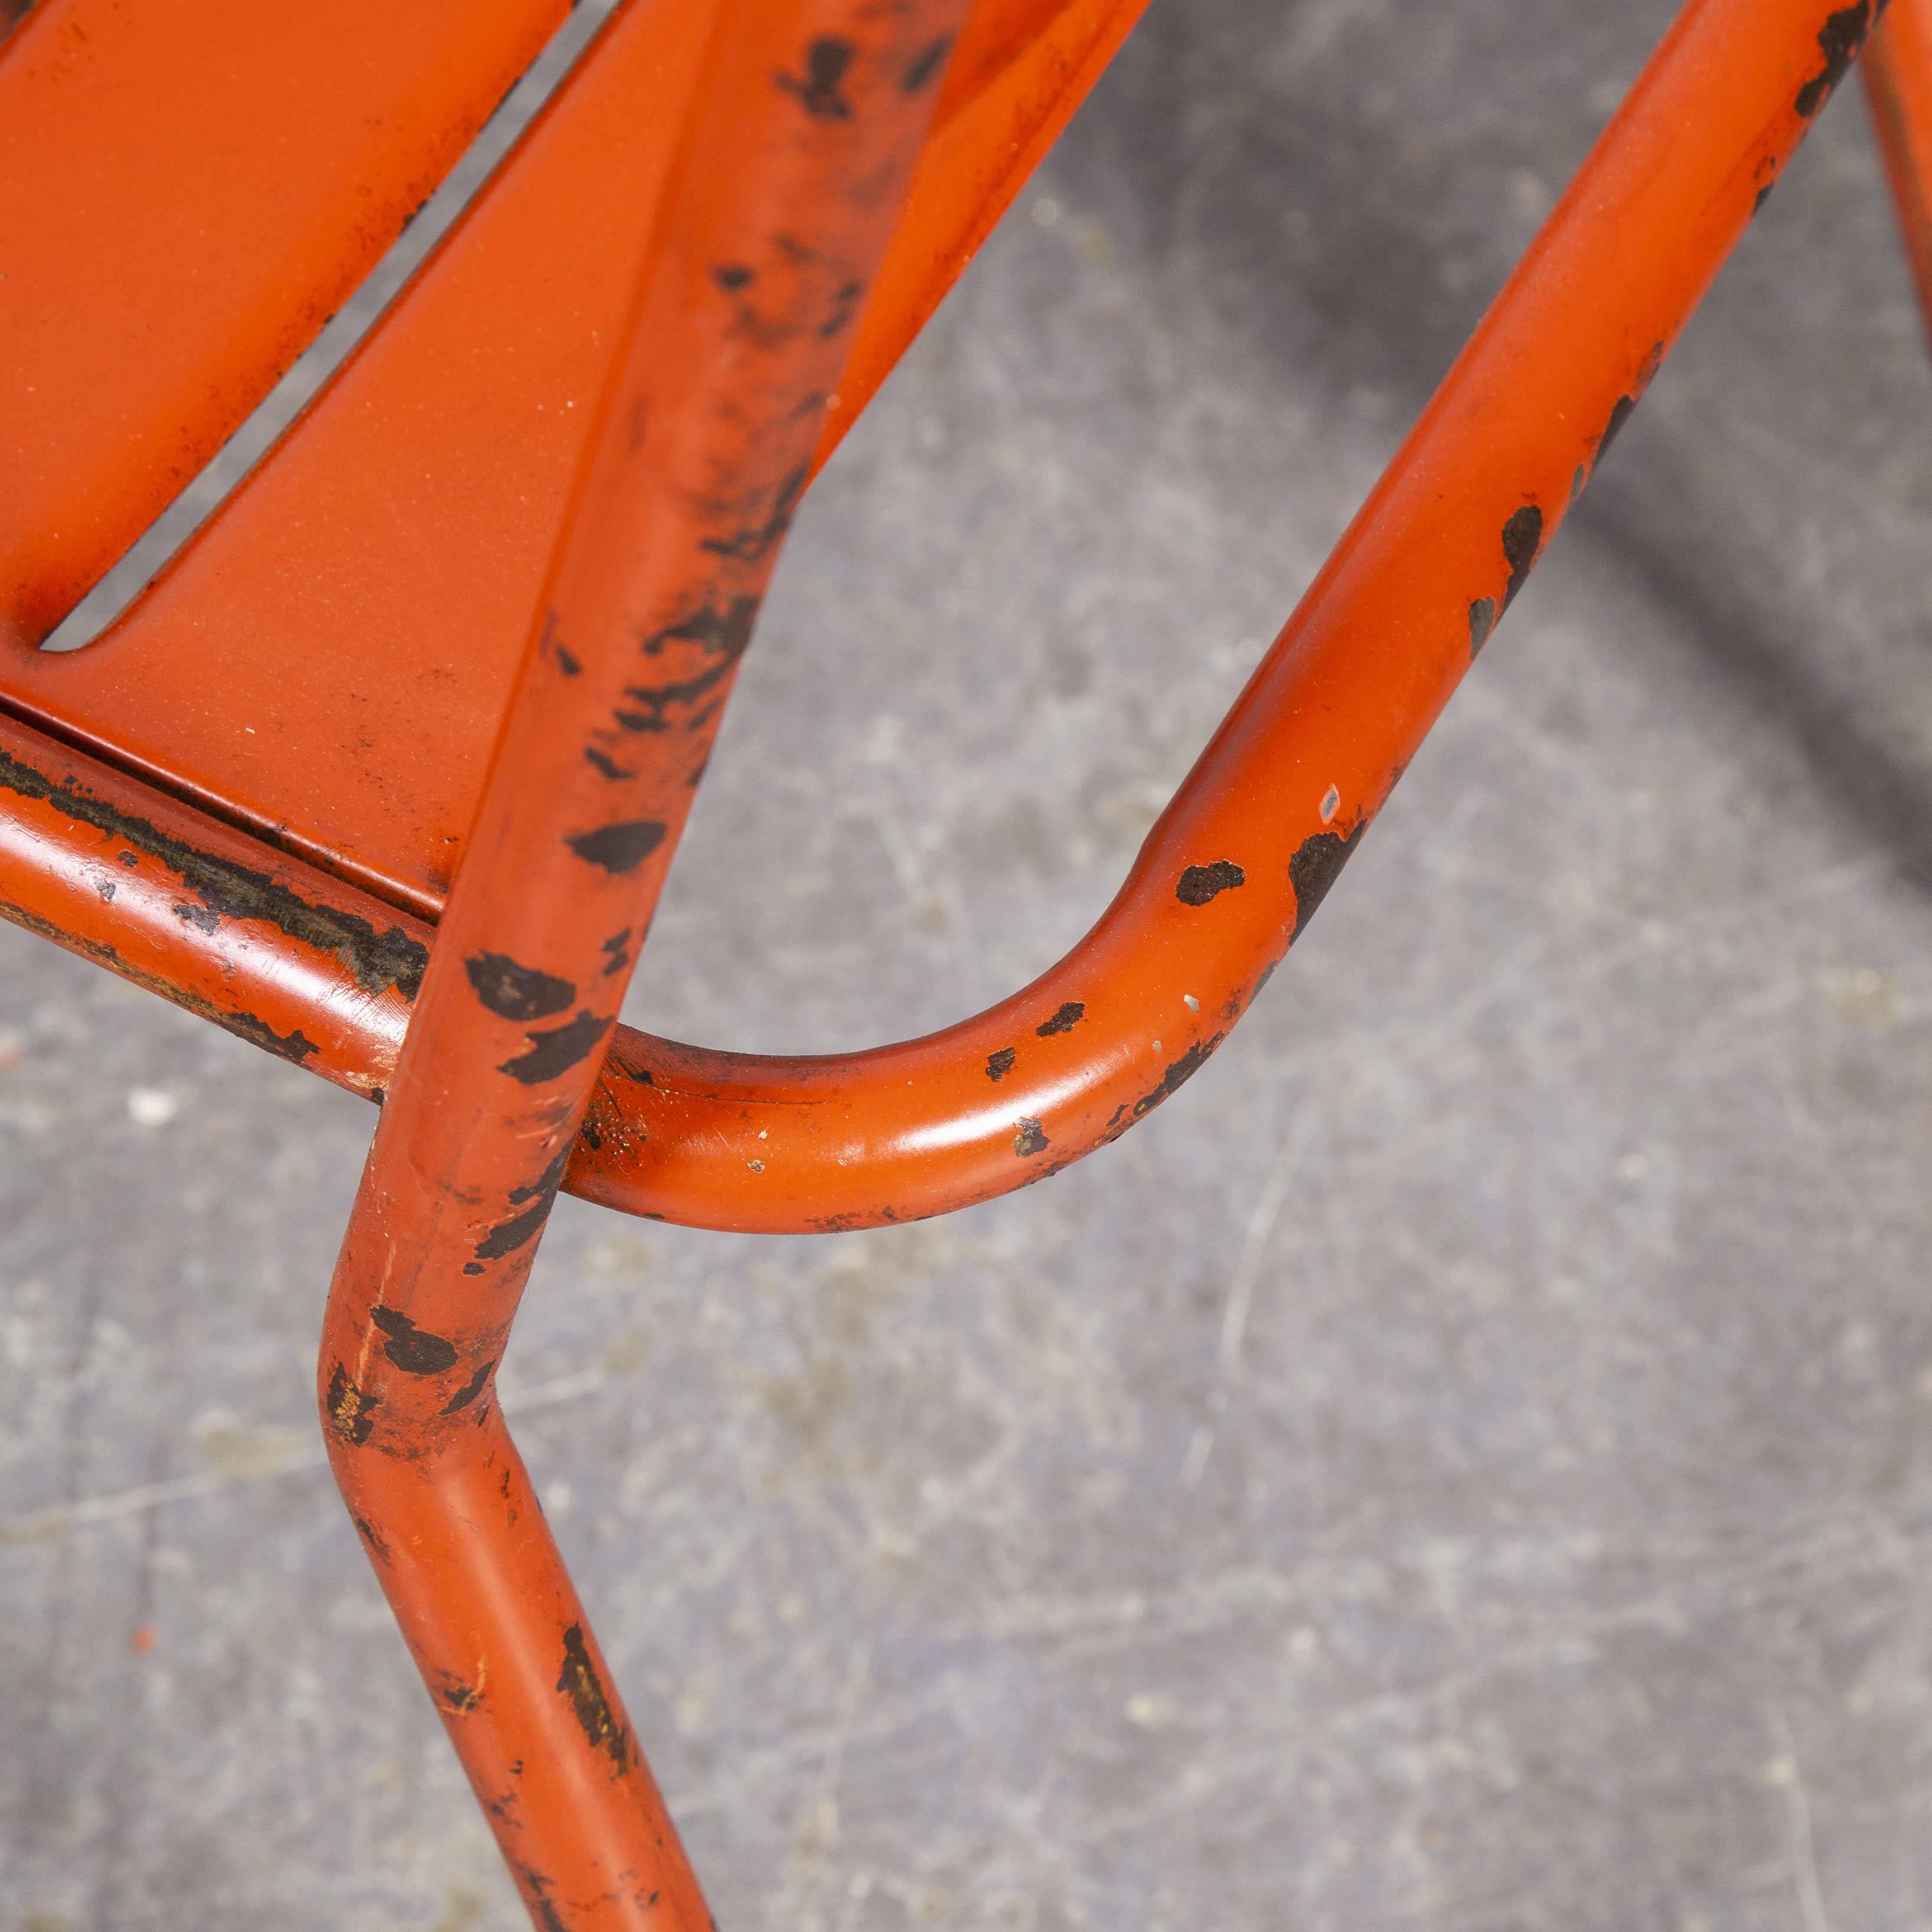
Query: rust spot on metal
(1031, 1140)
(351, 1413)
(507, 1236)
(999, 1064)
(1619, 415)
(413, 1350)
(845, 301)
(618, 848)
(1482, 625)
(1178, 1073)
(453, 1694)
(579, 1681)
(377, 960)
(515, 992)
(372, 1537)
(1621, 410)
(1200, 883)
(926, 64)
(649, 704)
(827, 60)
(557, 1051)
(294, 1047)
(536, 1890)
(727, 631)
(510, 1235)
(1839, 40)
(1317, 863)
(609, 767)
(471, 1389)
(750, 545)
(1522, 540)
(545, 1187)
(1064, 1020)
(617, 951)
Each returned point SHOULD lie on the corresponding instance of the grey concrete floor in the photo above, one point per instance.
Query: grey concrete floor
(1465, 1464)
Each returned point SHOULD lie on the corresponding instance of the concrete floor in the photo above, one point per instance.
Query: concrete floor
(1465, 1464)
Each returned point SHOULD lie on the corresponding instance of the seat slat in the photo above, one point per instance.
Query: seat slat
(327, 662)
(191, 190)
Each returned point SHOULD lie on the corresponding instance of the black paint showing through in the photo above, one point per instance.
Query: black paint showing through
(827, 60)
(557, 1051)
(1317, 863)
(1839, 40)
(413, 1350)
(517, 992)
(622, 847)
(1200, 883)
(1522, 539)
(579, 1681)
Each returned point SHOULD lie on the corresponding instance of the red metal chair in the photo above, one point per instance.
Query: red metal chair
(386, 772)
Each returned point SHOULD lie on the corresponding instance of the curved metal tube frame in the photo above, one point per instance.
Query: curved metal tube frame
(1226, 880)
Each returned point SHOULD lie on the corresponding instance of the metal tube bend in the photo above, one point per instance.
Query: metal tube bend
(1278, 801)
(318, 971)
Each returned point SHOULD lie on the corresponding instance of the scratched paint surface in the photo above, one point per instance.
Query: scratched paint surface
(1466, 1462)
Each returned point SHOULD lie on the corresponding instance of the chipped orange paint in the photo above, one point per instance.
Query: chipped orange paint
(393, 544)
(1311, 750)
(699, 446)
(804, 123)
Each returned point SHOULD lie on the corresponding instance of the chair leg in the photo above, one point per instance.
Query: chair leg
(1898, 66)
(796, 150)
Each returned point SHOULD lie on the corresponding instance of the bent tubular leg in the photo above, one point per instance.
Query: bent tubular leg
(1898, 89)
(790, 170)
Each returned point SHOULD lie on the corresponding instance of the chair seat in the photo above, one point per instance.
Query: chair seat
(193, 190)
(326, 663)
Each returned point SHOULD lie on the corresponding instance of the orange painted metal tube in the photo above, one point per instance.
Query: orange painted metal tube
(1341, 701)
(1022, 68)
(1897, 68)
(265, 946)
(790, 169)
